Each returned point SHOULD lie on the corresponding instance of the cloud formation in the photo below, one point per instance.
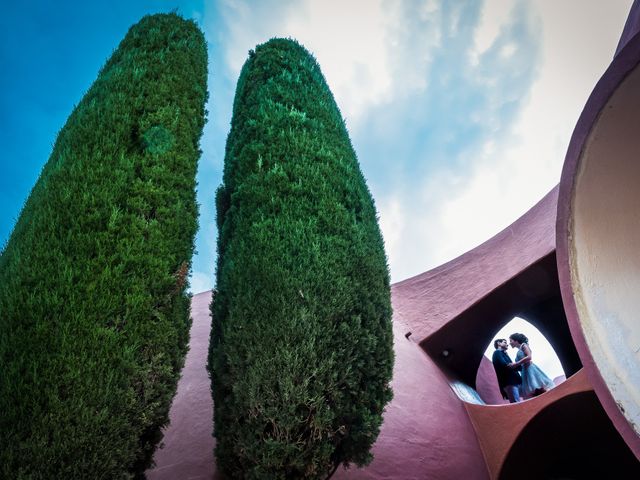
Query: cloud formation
(455, 105)
(458, 156)
(460, 111)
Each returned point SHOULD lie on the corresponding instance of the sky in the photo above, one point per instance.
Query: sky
(460, 112)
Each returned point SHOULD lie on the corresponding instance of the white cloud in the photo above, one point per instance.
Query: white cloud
(350, 40)
(516, 167)
(508, 50)
(378, 53)
(243, 32)
(414, 34)
(494, 16)
(510, 180)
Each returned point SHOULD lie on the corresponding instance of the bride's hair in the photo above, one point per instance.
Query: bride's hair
(519, 337)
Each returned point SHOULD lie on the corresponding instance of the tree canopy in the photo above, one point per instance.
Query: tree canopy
(94, 316)
(301, 350)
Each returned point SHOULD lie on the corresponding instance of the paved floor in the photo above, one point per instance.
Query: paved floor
(187, 451)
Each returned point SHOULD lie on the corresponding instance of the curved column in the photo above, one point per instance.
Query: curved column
(598, 240)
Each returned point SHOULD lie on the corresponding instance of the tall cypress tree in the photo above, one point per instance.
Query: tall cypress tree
(301, 353)
(94, 316)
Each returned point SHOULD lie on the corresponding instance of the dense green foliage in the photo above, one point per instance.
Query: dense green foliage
(301, 353)
(94, 318)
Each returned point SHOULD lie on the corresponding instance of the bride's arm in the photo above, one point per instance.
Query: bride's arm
(527, 355)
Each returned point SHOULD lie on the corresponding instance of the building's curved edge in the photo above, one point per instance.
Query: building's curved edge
(631, 26)
(626, 59)
(498, 426)
(434, 297)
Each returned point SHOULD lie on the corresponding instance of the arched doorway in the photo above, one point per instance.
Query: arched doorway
(534, 295)
(544, 356)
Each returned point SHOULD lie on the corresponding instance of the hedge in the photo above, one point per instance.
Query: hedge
(94, 319)
(301, 350)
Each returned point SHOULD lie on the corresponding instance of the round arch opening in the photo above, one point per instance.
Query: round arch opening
(544, 356)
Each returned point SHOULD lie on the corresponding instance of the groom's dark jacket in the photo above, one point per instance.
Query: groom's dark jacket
(506, 376)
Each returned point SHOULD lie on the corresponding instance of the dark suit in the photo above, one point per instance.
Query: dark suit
(506, 376)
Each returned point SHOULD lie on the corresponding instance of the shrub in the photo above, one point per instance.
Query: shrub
(301, 353)
(94, 317)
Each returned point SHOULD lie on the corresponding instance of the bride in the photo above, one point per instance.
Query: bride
(534, 380)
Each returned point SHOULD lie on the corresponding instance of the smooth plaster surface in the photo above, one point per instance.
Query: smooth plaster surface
(430, 300)
(487, 384)
(426, 431)
(605, 247)
(498, 427)
(571, 438)
(597, 236)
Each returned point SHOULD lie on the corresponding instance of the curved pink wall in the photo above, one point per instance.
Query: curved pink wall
(487, 384)
(589, 131)
(426, 432)
(427, 302)
(498, 427)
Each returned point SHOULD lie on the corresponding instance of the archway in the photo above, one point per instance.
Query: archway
(544, 356)
(534, 294)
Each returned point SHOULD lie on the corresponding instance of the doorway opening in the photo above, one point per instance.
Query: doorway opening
(532, 295)
(543, 355)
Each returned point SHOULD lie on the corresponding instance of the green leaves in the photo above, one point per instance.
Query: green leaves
(157, 139)
(301, 348)
(95, 314)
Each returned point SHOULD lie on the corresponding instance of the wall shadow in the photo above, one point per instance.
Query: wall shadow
(572, 438)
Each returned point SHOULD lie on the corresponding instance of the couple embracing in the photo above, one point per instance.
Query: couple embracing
(522, 378)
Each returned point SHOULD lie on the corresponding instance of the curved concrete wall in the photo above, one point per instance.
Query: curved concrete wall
(186, 450)
(598, 239)
(572, 438)
(429, 301)
(487, 384)
(426, 432)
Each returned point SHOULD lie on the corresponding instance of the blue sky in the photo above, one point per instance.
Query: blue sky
(460, 111)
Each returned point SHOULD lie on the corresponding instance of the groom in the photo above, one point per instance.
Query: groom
(508, 379)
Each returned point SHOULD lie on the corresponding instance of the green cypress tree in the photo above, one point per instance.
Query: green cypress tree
(94, 316)
(301, 354)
